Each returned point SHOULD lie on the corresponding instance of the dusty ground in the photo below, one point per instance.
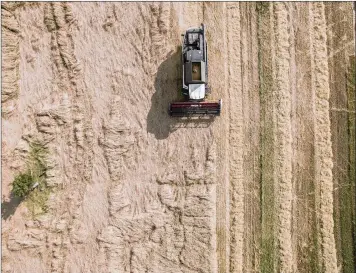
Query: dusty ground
(266, 187)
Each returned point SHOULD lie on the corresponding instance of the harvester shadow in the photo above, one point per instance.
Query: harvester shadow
(168, 85)
(8, 208)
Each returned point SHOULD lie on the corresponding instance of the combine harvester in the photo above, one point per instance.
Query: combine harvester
(195, 77)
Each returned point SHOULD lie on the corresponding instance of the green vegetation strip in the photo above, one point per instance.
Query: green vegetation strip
(31, 184)
(268, 243)
(347, 190)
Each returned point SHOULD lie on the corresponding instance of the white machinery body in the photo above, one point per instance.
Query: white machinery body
(196, 91)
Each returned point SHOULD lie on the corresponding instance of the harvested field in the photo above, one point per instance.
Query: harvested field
(269, 186)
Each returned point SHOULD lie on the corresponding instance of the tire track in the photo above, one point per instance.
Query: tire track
(283, 137)
(322, 140)
(236, 139)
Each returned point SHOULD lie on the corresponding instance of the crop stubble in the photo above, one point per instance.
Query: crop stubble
(136, 191)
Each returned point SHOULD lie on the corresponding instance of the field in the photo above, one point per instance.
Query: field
(269, 186)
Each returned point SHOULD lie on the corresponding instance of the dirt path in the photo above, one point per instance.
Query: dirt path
(262, 188)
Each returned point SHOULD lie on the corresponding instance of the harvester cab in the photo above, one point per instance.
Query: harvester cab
(195, 77)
